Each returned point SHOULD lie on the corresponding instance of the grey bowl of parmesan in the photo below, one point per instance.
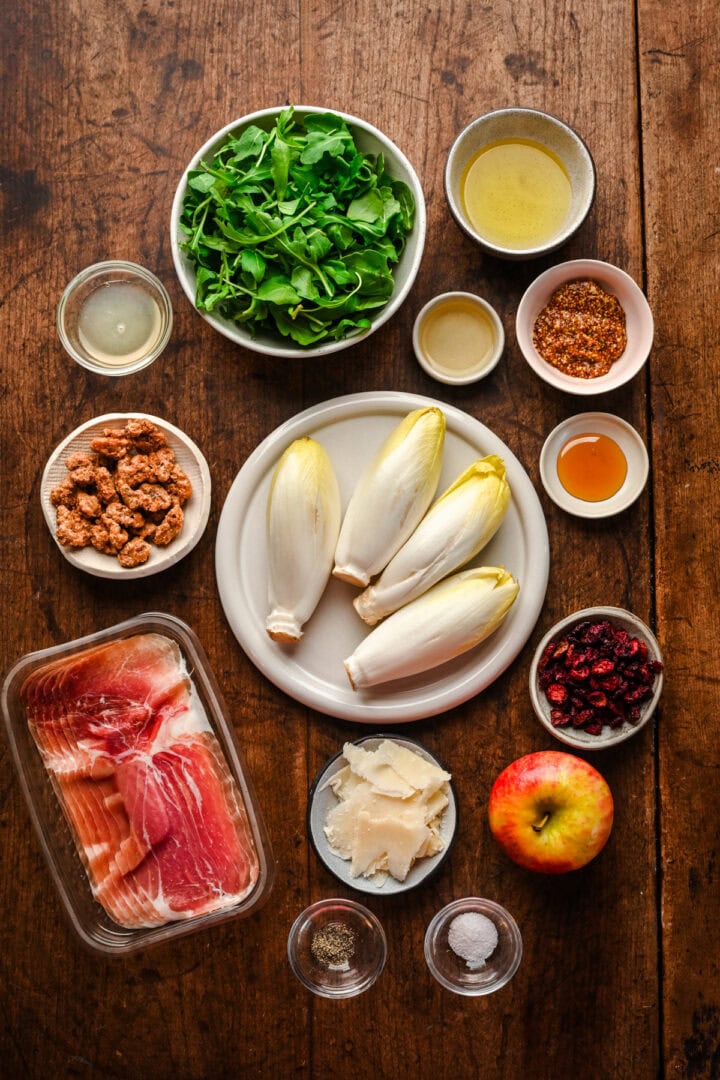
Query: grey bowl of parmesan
(382, 814)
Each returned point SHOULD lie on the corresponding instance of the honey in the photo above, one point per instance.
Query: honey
(591, 467)
(516, 193)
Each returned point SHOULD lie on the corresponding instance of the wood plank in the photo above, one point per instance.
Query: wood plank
(680, 102)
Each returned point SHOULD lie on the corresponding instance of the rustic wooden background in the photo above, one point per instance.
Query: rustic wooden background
(102, 105)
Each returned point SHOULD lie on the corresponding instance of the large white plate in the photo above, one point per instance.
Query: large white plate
(351, 429)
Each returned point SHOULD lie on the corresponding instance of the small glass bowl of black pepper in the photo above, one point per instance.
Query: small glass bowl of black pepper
(337, 948)
(473, 946)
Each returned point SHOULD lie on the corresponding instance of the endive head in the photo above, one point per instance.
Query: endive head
(491, 471)
(310, 465)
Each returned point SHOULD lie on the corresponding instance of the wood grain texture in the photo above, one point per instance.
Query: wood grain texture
(680, 101)
(102, 107)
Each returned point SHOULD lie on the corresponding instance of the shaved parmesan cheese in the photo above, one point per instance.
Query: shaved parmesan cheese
(390, 804)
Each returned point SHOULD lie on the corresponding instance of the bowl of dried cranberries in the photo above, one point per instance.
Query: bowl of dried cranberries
(596, 677)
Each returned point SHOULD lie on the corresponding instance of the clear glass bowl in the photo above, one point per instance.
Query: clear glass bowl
(114, 318)
(452, 971)
(355, 975)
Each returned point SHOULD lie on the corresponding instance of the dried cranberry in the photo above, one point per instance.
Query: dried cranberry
(610, 684)
(594, 729)
(597, 699)
(579, 674)
(655, 666)
(603, 667)
(560, 649)
(557, 694)
(545, 658)
(634, 714)
(558, 718)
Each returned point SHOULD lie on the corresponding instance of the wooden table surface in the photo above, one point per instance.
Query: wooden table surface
(102, 106)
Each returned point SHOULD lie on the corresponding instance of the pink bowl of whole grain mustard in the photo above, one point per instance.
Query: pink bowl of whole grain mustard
(585, 327)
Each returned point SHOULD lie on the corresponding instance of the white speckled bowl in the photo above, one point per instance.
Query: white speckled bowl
(577, 737)
(541, 128)
(638, 324)
(370, 140)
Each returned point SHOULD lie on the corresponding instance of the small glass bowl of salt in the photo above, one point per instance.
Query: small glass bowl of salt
(473, 946)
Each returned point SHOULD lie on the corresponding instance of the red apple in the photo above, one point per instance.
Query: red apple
(550, 811)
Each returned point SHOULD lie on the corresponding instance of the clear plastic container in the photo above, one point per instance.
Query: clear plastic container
(54, 830)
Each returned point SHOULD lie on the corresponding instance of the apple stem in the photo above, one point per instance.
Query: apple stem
(543, 821)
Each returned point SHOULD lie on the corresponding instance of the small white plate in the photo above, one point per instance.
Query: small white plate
(629, 442)
(196, 510)
(312, 671)
(322, 800)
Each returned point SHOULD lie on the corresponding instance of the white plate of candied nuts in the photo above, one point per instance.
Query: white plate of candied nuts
(126, 495)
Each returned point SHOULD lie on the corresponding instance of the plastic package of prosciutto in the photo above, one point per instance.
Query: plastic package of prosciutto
(134, 784)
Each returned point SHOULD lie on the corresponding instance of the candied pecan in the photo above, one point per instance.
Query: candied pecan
(107, 536)
(145, 435)
(134, 470)
(179, 485)
(105, 485)
(73, 530)
(79, 459)
(84, 475)
(149, 497)
(64, 493)
(170, 526)
(134, 553)
(162, 463)
(561, 649)
(113, 445)
(123, 515)
(88, 505)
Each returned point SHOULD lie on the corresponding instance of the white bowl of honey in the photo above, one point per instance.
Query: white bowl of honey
(519, 182)
(594, 465)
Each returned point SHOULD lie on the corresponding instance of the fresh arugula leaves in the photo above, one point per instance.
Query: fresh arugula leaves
(294, 230)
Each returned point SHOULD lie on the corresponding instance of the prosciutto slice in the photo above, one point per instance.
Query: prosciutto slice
(157, 817)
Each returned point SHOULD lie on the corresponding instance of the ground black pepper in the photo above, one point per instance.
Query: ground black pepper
(334, 945)
(581, 331)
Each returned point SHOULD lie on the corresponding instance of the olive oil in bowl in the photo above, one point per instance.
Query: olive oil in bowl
(516, 194)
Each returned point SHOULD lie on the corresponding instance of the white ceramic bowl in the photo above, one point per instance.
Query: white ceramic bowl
(370, 140)
(196, 510)
(627, 439)
(576, 736)
(321, 801)
(638, 320)
(473, 373)
(538, 127)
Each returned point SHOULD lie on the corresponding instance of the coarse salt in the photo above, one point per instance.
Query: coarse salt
(473, 937)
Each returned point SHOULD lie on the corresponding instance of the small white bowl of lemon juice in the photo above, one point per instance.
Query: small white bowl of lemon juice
(458, 338)
(519, 182)
(114, 318)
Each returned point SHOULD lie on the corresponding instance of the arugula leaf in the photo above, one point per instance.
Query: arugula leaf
(295, 231)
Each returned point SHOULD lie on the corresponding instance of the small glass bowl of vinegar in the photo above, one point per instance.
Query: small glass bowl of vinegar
(114, 318)
(594, 465)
